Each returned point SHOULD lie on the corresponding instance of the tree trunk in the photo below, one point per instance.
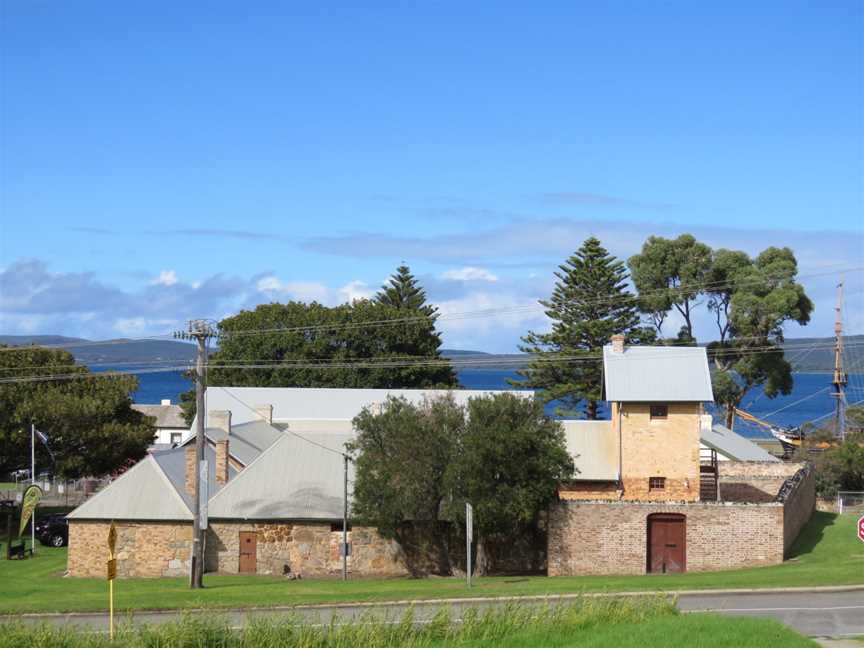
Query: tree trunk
(482, 558)
(591, 410)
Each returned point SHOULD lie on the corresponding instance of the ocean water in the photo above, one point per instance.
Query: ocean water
(788, 410)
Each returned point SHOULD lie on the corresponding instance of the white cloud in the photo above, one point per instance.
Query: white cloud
(296, 290)
(469, 273)
(355, 290)
(165, 278)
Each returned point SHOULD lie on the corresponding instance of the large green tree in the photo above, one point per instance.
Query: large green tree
(671, 273)
(403, 291)
(510, 461)
(403, 453)
(763, 298)
(417, 465)
(589, 304)
(91, 426)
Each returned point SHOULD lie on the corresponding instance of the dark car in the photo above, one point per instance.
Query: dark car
(53, 530)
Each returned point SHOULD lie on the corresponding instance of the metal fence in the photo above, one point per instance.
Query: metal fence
(850, 502)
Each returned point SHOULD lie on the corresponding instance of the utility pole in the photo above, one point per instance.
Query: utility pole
(839, 380)
(201, 331)
(345, 519)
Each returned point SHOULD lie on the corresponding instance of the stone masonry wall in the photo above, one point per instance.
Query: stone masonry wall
(659, 448)
(753, 481)
(612, 537)
(144, 549)
(799, 502)
(309, 550)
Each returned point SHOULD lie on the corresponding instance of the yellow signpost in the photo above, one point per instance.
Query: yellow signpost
(112, 574)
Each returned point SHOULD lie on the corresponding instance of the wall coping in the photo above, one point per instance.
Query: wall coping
(676, 504)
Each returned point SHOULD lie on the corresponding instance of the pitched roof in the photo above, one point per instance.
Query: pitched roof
(167, 416)
(657, 374)
(173, 465)
(141, 493)
(296, 478)
(247, 440)
(302, 403)
(733, 445)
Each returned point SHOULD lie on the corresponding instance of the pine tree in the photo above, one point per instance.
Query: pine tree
(589, 305)
(405, 292)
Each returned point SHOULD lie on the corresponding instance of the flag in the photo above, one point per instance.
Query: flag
(44, 439)
(31, 498)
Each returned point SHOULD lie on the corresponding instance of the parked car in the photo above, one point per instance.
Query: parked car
(53, 530)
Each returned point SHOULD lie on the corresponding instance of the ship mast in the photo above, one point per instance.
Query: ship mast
(839, 379)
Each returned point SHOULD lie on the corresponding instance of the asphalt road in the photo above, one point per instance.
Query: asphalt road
(813, 613)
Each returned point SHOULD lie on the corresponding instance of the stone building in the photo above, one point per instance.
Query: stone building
(275, 492)
(659, 489)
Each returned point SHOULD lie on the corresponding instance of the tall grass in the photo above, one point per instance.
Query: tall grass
(408, 631)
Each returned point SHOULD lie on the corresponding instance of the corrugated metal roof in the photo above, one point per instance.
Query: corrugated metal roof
(732, 445)
(247, 440)
(294, 479)
(594, 448)
(173, 465)
(295, 404)
(167, 416)
(657, 374)
(142, 493)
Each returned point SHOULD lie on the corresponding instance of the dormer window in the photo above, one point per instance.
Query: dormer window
(659, 412)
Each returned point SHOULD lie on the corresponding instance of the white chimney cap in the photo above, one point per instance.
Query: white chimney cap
(166, 401)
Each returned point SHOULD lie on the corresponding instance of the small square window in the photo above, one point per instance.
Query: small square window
(176, 437)
(659, 412)
(337, 526)
(656, 483)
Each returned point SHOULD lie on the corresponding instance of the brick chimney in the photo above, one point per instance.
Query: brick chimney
(220, 419)
(222, 462)
(265, 412)
(191, 473)
(618, 343)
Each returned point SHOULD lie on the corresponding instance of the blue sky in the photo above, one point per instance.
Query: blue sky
(162, 161)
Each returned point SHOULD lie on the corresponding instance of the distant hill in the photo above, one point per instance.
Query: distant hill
(109, 351)
(805, 354)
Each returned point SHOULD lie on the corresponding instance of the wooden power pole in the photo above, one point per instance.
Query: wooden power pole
(839, 380)
(201, 331)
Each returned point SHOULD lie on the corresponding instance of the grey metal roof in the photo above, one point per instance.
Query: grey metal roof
(167, 416)
(657, 374)
(296, 403)
(247, 440)
(173, 465)
(141, 493)
(294, 479)
(594, 449)
(732, 445)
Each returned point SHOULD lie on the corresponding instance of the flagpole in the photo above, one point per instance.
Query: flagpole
(33, 481)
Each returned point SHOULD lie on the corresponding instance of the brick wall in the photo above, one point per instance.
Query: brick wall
(144, 549)
(612, 537)
(754, 481)
(659, 448)
(309, 550)
(799, 501)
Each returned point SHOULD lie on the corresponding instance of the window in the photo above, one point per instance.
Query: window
(656, 483)
(176, 437)
(337, 526)
(659, 412)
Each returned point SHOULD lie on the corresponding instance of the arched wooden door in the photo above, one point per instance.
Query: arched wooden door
(667, 543)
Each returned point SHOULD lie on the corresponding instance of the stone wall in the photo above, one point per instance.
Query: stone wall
(144, 549)
(659, 448)
(798, 496)
(308, 550)
(612, 537)
(754, 481)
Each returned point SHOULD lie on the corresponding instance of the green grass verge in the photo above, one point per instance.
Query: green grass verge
(827, 553)
(593, 623)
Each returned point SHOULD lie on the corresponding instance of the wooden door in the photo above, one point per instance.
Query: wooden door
(667, 543)
(248, 552)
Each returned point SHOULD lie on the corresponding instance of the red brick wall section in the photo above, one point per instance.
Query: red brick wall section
(612, 537)
(754, 481)
(798, 505)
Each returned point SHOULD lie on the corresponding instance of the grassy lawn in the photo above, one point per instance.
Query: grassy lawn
(607, 623)
(827, 553)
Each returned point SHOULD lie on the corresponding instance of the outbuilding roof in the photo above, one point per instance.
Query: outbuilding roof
(732, 445)
(167, 416)
(657, 374)
(594, 449)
